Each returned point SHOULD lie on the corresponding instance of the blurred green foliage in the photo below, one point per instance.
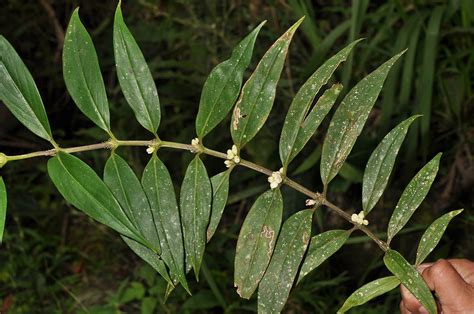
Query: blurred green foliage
(55, 260)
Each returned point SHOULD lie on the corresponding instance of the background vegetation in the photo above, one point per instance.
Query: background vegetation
(54, 259)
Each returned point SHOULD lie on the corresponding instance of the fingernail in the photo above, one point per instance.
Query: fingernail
(422, 310)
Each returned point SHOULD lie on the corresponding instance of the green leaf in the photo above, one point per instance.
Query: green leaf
(3, 208)
(410, 278)
(222, 86)
(257, 96)
(369, 291)
(195, 204)
(19, 92)
(83, 188)
(321, 247)
(256, 241)
(150, 257)
(412, 196)
(126, 188)
(380, 165)
(220, 192)
(82, 74)
(159, 189)
(299, 126)
(292, 242)
(349, 119)
(433, 234)
(135, 77)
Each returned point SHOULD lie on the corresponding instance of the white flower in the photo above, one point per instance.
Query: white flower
(310, 202)
(275, 179)
(359, 219)
(150, 150)
(195, 142)
(232, 156)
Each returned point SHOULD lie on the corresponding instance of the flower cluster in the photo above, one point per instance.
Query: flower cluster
(359, 219)
(275, 179)
(232, 157)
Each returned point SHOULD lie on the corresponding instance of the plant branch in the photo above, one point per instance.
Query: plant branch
(113, 143)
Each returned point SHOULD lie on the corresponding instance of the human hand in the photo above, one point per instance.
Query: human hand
(453, 283)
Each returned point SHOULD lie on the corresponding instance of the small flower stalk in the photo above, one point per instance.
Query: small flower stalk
(276, 179)
(233, 157)
(360, 219)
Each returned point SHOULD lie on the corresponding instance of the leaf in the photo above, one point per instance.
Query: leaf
(276, 284)
(257, 96)
(321, 247)
(159, 189)
(134, 76)
(412, 196)
(150, 257)
(83, 188)
(349, 119)
(369, 291)
(256, 241)
(410, 278)
(82, 74)
(380, 164)
(126, 188)
(222, 87)
(3, 208)
(195, 204)
(433, 234)
(299, 126)
(19, 92)
(220, 193)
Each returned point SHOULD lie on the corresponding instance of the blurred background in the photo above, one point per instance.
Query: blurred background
(56, 260)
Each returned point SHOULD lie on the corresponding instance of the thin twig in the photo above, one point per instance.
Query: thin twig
(114, 143)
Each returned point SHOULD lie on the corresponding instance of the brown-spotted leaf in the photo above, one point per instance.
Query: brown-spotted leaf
(256, 241)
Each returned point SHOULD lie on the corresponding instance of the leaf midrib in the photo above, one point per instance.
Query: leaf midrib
(78, 59)
(252, 257)
(222, 89)
(120, 31)
(91, 196)
(254, 105)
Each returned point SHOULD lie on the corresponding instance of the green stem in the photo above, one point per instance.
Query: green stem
(113, 143)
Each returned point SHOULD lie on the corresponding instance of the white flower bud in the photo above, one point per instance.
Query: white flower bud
(3, 160)
(275, 179)
(359, 219)
(310, 202)
(150, 150)
(195, 142)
